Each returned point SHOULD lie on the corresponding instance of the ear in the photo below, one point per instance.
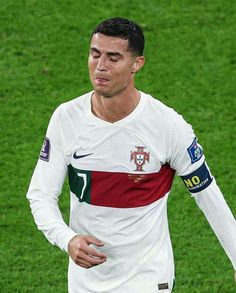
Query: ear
(138, 64)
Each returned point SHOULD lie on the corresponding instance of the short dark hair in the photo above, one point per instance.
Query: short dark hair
(125, 29)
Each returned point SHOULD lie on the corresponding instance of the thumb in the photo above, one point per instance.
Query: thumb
(93, 240)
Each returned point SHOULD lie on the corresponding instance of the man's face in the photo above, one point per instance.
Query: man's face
(111, 65)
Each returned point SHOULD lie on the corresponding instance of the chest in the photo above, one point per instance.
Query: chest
(126, 149)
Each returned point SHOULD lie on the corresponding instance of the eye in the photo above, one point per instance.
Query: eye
(95, 55)
(114, 59)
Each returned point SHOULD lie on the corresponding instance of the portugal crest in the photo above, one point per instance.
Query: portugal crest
(140, 157)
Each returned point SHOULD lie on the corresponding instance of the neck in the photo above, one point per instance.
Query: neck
(115, 108)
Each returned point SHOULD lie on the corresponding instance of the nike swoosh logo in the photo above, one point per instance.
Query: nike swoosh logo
(81, 156)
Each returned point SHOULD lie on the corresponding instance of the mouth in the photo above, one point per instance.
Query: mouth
(101, 80)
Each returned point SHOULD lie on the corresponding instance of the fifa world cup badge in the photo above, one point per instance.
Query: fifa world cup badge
(45, 151)
(140, 157)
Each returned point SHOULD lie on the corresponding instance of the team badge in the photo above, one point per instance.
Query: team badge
(195, 152)
(45, 151)
(140, 157)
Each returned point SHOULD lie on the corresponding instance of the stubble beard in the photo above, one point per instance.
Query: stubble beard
(108, 94)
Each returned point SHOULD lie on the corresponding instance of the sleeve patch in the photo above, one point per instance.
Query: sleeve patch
(195, 151)
(198, 180)
(45, 151)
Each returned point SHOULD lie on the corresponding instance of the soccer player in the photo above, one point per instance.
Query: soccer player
(121, 149)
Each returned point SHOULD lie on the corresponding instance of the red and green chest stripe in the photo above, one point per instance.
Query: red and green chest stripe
(120, 190)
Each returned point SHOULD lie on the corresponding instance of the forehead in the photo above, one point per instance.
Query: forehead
(109, 43)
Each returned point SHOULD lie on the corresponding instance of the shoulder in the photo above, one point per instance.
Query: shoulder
(73, 107)
(161, 112)
(79, 102)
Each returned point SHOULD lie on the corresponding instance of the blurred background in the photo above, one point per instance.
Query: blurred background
(190, 66)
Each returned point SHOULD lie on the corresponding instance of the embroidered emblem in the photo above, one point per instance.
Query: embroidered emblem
(45, 151)
(195, 152)
(140, 157)
(137, 178)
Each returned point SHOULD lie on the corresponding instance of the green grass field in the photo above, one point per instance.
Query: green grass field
(190, 65)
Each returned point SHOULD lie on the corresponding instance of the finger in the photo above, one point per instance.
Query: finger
(94, 253)
(92, 260)
(83, 266)
(92, 240)
(84, 247)
(83, 263)
(82, 259)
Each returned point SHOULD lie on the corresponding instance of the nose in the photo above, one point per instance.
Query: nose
(101, 66)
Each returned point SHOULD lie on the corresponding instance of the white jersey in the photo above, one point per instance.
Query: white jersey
(120, 176)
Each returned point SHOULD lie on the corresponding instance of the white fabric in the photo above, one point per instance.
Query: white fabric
(219, 216)
(137, 240)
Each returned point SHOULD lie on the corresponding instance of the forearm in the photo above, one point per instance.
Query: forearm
(220, 218)
(48, 218)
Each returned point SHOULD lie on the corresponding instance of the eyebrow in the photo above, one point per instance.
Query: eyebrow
(93, 49)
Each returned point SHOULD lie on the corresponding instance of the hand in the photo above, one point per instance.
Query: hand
(82, 254)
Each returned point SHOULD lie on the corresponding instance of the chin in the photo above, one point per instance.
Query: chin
(102, 92)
